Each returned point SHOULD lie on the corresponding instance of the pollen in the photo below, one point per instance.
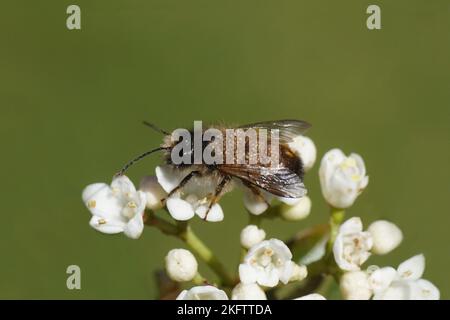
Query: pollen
(101, 221)
(91, 204)
(268, 252)
(348, 163)
(356, 177)
(131, 205)
(407, 273)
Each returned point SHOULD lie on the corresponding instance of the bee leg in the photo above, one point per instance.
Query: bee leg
(182, 184)
(217, 193)
(256, 192)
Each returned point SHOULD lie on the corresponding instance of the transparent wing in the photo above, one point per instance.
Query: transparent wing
(280, 181)
(288, 129)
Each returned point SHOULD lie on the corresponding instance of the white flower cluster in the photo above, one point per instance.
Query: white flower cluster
(120, 208)
(403, 283)
(266, 264)
(353, 246)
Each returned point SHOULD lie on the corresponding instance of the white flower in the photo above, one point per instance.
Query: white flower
(181, 265)
(256, 204)
(299, 273)
(154, 193)
(116, 208)
(203, 293)
(342, 178)
(249, 291)
(194, 198)
(355, 285)
(386, 236)
(352, 245)
(405, 283)
(381, 278)
(251, 235)
(304, 148)
(312, 296)
(298, 211)
(267, 263)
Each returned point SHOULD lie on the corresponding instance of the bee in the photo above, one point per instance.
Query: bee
(284, 179)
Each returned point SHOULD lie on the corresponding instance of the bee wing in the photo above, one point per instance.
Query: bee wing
(279, 181)
(288, 129)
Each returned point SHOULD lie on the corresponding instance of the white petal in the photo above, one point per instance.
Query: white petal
(281, 248)
(106, 226)
(169, 177)
(249, 291)
(382, 278)
(254, 204)
(101, 202)
(203, 293)
(124, 184)
(247, 274)
(386, 236)
(298, 211)
(338, 252)
(312, 296)
(399, 290)
(425, 290)
(352, 225)
(91, 190)
(355, 286)
(154, 193)
(328, 165)
(287, 271)
(342, 190)
(182, 295)
(359, 163)
(251, 235)
(413, 268)
(268, 278)
(179, 209)
(215, 214)
(134, 227)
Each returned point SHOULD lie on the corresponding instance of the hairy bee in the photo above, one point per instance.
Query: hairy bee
(244, 161)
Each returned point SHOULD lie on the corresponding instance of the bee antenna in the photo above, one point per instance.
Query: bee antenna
(154, 127)
(130, 163)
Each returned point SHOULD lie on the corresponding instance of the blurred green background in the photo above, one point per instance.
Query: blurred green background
(72, 103)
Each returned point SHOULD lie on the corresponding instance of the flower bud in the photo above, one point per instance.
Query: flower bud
(299, 273)
(352, 245)
(251, 235)
(154, 193)
(249, 291)
(312, 296)
(202, 293)
(342, 178)
(304, 147)
(181, 265)
(355, 286)
(298, 211)
(386, 236)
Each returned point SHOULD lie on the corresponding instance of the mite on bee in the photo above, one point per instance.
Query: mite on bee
(257, 155)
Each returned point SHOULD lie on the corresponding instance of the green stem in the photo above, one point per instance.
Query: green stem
(336, 218)
(183, 232)
(199, 279)
(202, 251)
